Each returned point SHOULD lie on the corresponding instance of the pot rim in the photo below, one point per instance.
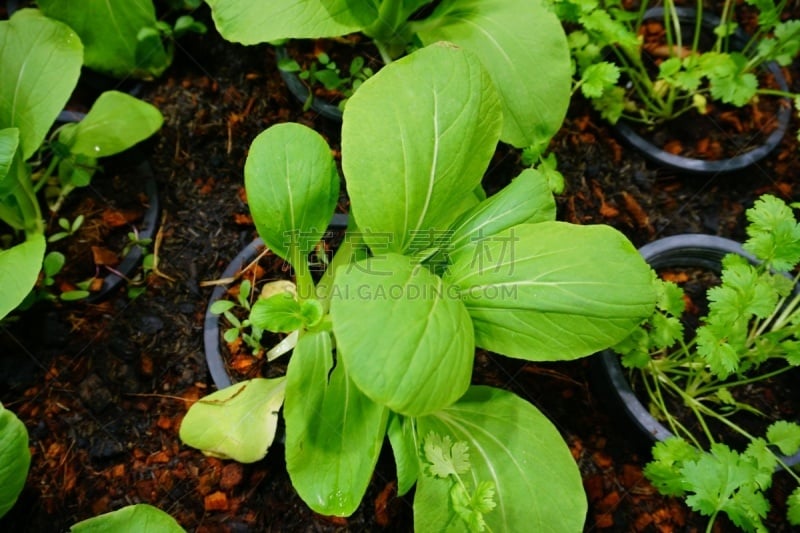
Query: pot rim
(703, 166)
(698, 250)
(301, 91)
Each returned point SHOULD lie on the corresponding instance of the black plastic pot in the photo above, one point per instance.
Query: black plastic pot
(700, 166)
(690, 250)
(211, 335)
(147, 230)
(301, 91)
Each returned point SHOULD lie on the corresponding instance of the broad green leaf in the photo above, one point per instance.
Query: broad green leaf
(527, 199)
(333, 432)
(19, 269)
(41, 61)
(515, 447)
(249, 22)
(109, 31)
(237, 422)
(130, 519)
(403, 336)
(416, 138)
(292, 187)
(9, 141)
(552, 290)
(523, 47)
(116, 122)
(404, 449)
(15, 458)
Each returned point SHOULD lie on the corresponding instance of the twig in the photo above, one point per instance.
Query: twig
(226, 281)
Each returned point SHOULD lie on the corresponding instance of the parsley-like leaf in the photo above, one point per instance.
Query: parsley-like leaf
(773, 233)
(793, 504)
(785, 435)
(598, 78)
(445, 458)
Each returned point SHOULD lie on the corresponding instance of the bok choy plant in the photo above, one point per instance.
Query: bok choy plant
(41, 60)
(520, 43)
(429, 269)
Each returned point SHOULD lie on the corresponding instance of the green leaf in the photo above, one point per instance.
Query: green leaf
(130, 519)
(292, 188)
(445, 457)
(283, 313)
(404, 447)
(785, 435)
(41, 61)
(721, 480)
(730, 82)
(237, 422)
(424, 333)
(664, 471)
(552, 290)
(15, 458)
(515, 448)
(793, 504)
(597, 78)
(248, 22)
(19, 270)
(9, 141)
(527, 199)
(524, 49)
(414, 180)
(109, 30)
(333, 432)
(773, 233)
(116, 122)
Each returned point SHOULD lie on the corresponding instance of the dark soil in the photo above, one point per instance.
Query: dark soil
(102, 388)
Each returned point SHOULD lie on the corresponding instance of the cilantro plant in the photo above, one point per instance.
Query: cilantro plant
(41, 60)
(749, 335)
(521, 45)
(623, 80)
(429, 269)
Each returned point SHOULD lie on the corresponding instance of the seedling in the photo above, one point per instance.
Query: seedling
(325, 72)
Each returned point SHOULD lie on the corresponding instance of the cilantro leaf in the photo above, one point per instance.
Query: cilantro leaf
(785, 435)
(445, 458)
(664, 471)
(729, 80)
(713, 346)
(597, 78)
(773, 233)
(721, 480)
(793, 504)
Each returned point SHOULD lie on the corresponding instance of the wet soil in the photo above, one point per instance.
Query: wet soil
(102, 388)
